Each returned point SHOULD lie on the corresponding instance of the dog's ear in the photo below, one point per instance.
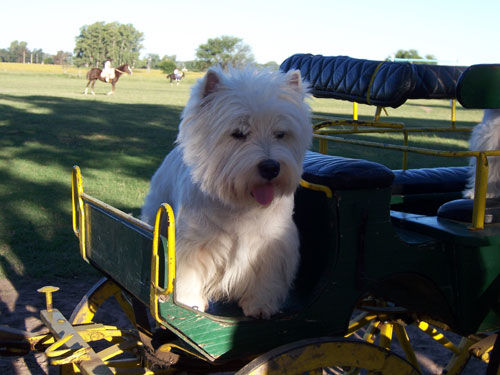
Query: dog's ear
(211, 82)
(294, 79)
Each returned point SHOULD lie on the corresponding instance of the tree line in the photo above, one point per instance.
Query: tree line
(123, 43)
(20, 53)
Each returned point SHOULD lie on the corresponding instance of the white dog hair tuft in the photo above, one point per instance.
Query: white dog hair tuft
(485, 137)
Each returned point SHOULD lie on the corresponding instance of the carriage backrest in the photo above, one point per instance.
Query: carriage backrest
(479, 86)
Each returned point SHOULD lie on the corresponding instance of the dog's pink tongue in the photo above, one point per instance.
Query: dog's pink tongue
(264, 194)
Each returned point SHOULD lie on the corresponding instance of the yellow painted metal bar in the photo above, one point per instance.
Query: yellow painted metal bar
(481, 168)
(458, 362)
(386, 335)
(322, 122)
(76, 184)
(323, 146)
(324, 129)
(480, 188)
(78, 211)
(438, 336)
(404, 341)
(355, 111)
(317, 187)
(405, 153)
(418, 150)
(359, 322)
(369, 335)
(453, 113)
(156, 291)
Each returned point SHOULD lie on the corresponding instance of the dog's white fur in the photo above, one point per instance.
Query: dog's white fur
(485, 137)
(228, 245)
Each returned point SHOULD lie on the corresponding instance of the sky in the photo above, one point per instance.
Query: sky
(455, 32)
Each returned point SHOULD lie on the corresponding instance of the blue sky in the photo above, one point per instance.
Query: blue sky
(456, 32)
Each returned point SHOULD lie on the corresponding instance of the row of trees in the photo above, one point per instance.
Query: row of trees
(123, 44)
(19, 52)
(414, 56)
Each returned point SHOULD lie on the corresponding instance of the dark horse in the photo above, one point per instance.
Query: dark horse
(173, 77)
(94, 74)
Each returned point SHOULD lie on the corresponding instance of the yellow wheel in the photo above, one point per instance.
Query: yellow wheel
(96, 318)
(379, 323)
(335, 355)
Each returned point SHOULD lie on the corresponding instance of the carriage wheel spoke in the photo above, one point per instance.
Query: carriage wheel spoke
(404, 341)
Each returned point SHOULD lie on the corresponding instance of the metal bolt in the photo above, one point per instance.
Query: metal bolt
(48, 290)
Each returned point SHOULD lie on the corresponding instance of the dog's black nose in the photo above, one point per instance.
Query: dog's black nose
(269, 169)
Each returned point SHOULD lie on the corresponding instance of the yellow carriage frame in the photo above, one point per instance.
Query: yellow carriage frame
(325, 130)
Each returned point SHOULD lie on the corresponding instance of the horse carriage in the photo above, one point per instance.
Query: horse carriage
(380, 250)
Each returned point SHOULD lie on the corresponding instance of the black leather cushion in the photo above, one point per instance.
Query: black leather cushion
(435, 81)
(382, 83)
(430, 180)
(461, 210)
(340, 173)
(347, 78)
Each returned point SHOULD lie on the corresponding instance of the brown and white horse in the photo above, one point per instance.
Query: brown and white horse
(94, 74)
(175, 78)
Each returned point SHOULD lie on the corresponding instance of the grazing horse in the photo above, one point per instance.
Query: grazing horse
(94, 74)
(173, 77)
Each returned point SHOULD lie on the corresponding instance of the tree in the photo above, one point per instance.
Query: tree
(167, 66)
(18, 52)
(224, 51)
(413, 54)
(271, 65)
(99, 41)
(63, 58)
(4, 55)
(38, 55)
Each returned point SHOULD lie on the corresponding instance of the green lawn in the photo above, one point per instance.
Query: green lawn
(47, 126)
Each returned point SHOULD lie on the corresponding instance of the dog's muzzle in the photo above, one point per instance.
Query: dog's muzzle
(269, 169)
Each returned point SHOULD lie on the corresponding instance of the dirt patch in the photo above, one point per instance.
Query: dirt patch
(20, 306)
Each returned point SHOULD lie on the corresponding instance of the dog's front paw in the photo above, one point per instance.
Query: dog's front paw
(257, 310)
(194, 301)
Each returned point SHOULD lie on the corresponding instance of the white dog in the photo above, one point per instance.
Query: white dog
(486, 136)
(231, 181)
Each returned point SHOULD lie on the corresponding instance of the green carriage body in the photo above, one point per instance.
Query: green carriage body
(352, 245)
(358, 239)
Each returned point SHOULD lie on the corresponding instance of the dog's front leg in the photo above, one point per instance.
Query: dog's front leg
(270, 279)
(189, 286)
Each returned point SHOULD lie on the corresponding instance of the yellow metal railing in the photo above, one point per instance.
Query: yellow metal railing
(379, 109)
(329, 126)
(156, 292)
(481, 168)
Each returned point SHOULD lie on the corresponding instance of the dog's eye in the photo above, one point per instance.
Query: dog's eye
(279, 135)
(238, 134)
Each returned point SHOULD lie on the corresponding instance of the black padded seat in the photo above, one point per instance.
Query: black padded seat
(461, 210)
(435, 81)
(339, 173)
(381, 83)
(430, 180)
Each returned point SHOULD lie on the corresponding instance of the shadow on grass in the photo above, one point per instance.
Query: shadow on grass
(41, 138)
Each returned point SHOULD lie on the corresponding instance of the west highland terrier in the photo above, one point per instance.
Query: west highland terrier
(486, 136)
(231, 180)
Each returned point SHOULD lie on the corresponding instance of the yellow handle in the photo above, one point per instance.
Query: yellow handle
(157, 291)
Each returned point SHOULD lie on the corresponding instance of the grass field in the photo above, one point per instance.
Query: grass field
(47, 126)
